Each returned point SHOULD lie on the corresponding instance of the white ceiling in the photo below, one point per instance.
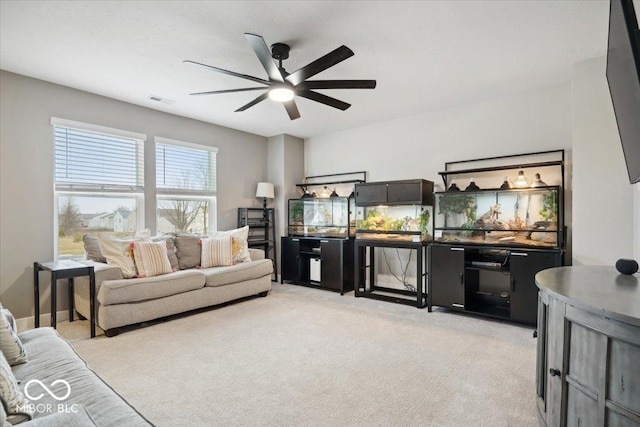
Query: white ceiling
(424, 55)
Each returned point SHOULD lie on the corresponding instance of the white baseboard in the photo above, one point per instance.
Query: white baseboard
(26, 323)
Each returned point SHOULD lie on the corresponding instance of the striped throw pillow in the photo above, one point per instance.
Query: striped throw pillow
(217, 252)
(151, 258)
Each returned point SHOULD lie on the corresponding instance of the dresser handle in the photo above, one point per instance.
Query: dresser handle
(457, 249)
(554, 372)
(519, 254)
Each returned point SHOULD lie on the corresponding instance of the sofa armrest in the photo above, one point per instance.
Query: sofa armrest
(256, 254)
(102, 272)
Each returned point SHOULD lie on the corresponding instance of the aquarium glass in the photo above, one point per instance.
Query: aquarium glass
(525, 216)
(407, 222)
(328, 217)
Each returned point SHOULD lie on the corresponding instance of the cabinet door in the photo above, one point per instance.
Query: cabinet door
(405, 192)
(524, 293)
(447, 276)
(555, 357)
(331, 267)
(541, 354)
(371, 194)
(290, 258)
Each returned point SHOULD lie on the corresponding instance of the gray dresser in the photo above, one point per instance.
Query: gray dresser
(588, 356)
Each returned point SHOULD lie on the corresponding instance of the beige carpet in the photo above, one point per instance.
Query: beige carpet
(309, 357)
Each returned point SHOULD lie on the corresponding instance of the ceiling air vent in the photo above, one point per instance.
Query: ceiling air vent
(163, 100)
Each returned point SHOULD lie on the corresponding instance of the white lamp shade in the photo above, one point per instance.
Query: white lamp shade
(265, 189)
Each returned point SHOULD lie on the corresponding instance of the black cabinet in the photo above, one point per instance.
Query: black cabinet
(290, 258)
(324, 263)
(446, 265)
(493, 281)
(524, 292)
(405, 192)
(371, 194)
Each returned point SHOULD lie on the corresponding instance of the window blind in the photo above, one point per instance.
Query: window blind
(182, 169)
(94, 161)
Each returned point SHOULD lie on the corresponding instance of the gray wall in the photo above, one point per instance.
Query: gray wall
(286, 169)
(26, 171)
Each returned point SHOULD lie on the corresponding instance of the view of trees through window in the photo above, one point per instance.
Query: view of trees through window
(181, 215)
(78, 216)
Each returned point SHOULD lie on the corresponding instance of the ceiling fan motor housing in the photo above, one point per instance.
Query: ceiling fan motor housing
(280, 51)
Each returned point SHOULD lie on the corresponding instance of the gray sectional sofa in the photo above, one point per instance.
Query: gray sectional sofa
(90, 401)
(121, 302)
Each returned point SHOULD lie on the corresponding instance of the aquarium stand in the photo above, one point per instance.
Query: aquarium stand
(372, 290)
(325, 263)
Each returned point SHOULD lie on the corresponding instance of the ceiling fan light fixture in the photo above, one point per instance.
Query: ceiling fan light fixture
(281, 94)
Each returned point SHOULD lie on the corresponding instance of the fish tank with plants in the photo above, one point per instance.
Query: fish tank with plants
(320, 217)
(514, 217)
(410, 223)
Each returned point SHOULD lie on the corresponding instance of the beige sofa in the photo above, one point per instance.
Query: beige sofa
(121, 302)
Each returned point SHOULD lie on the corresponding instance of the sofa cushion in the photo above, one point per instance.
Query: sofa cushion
(9, 391)
(169, 239)
(240, 247)
(219, 276)
(151, 258)
(188, 250)
(217, 252)
(79, 418)
(132, 290)
(118, 253)
(10, 343)
(92, 248)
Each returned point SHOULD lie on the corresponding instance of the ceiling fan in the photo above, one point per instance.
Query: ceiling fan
(283, 86)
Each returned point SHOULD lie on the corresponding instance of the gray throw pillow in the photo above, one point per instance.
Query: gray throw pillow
(11, 394)
(10, 343)
(188, 250)
(92, 248)
(169, 239)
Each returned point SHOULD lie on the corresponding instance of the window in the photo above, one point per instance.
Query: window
(99, 183)
(186, 186)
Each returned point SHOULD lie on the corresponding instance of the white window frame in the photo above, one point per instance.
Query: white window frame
(185, 194)
(106, 192)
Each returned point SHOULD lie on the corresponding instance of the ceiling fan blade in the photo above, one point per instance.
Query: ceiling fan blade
(213, 92)
(337, 84)
(329, 60)
(323, 99)
(231, 73)
(254, 102)
(264, 55)
(292, 109)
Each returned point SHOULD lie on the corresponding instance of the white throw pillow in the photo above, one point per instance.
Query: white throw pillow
(9, 391)
(241, 247)
(217, 252)
(10, 343)
(118, 252)
(151, 258)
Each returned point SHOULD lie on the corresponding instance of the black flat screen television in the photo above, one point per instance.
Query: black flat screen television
(623, 75)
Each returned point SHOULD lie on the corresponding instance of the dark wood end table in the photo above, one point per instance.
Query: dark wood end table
(64, 269)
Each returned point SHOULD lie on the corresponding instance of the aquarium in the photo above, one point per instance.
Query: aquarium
(525, 217)
(320, 217)
(410, 223)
